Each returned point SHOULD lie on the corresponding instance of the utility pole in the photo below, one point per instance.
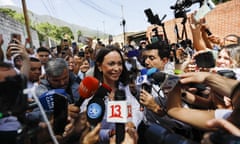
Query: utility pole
(104, 30)
(27, 22)
(123, 23)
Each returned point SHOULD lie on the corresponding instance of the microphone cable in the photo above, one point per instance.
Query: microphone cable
(31, 90)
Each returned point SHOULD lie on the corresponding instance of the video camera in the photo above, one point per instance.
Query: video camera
(181, 5)
(154, 20)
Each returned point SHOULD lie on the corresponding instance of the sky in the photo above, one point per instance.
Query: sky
(101, 15)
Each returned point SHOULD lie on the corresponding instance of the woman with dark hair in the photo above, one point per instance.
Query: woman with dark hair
(98, 73)
(110, 69)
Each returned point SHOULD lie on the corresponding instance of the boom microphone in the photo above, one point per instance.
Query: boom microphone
(87, 88)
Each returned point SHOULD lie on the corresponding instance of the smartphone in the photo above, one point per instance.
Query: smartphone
(81, 54)
(205, 60)
(60, 113)
(15, 36)
(207, 6)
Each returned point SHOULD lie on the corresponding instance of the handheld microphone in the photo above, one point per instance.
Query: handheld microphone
(60, 113)
(143, 82)
(55, 101)
(102, 91)
(87, 88)
(47, 98)
(157, 77)
(96, 106)
(166, 81)
(95, 111)
(120, 127)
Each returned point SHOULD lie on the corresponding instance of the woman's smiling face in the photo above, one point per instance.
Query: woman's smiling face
(111, 67)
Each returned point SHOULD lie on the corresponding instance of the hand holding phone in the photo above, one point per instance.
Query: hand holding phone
(15, 38)
(207, 6)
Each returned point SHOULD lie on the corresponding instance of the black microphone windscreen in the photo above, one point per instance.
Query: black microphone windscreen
(120, 95)
(95, 111)
(102, 91)
(120, 127)
(159, 77)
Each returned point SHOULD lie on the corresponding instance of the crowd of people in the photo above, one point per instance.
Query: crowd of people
(202, 107)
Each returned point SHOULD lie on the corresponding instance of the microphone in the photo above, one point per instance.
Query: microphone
(157, 77)
(166, 81)
(87, 88)
(55, 101)
(143, 82)
(47, 98)
(120, 127)
(102, 91)
(95, 111)
(96, 106)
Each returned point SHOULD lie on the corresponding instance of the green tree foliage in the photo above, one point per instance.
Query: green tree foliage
(8, 12)
(79, 33)
(20, 17)
(53, 31)
(13, 14)
(43, 29)
(66, 31)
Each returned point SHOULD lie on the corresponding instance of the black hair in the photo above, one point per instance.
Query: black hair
(33, 59)
(43, 49)
(162, 47)
(99, 59)
(6, 65)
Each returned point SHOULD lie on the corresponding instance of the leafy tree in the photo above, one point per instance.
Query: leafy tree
(13, 14)
(8, 12)
(53, 31)
(79, 33)
(66, 31)
(20, 17)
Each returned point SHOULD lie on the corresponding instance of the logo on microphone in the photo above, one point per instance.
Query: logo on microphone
(94, 111)
(141, 79)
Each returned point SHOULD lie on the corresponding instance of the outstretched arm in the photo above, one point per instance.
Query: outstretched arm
(194, 117)
(218, 83)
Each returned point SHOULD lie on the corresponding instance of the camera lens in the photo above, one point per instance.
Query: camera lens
(13, 41)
